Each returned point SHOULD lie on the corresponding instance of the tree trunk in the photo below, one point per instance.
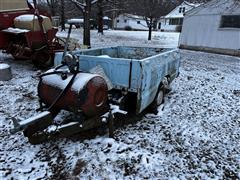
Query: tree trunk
(63, 15)
(52, 11)
(51, 7)
(150, 33)
(150, 30)
(100, 17)
(86, 31)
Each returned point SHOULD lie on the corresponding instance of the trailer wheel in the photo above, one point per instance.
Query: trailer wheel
(166, 84)
(159, 99)
(42, 59)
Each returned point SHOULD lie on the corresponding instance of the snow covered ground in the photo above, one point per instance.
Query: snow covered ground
(196, 135)
(128, 38)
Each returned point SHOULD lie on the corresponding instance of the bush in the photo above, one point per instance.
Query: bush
(128, 28)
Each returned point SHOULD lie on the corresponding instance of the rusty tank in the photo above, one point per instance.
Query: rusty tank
(87, 95)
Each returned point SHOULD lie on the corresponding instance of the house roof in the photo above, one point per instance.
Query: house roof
(175, 12)
(132, 16)
(216, 7)
(106, 18)
(192, 4)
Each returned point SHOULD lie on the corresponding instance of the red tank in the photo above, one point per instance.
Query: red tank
(88, 93)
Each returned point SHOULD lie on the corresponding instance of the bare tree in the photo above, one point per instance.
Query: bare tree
(100, 16)
(104, 6)
(85, 7)
(62, 13)
(52, 4)
(151, 10)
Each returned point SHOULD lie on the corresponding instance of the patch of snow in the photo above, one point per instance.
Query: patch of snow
(127, 38)
(100, 71)
(28, 17)
(104, 56)
(75, 21)
(80, 81)
(16, 30)
(4, 66)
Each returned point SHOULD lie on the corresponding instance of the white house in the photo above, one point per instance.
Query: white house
(213, 27)
(174, 20)
(130, 22)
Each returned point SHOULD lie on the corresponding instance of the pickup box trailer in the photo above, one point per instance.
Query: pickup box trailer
(140, 71)
(98, 83)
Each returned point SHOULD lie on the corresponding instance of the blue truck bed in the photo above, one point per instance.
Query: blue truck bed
(138, 70)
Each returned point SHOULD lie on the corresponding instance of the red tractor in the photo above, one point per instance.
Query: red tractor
(26, 33)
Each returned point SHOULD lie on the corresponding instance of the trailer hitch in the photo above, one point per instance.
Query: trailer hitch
(35, 128)
(39, 122)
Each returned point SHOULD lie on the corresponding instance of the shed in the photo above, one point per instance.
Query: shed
(130, 22)
(213, 27)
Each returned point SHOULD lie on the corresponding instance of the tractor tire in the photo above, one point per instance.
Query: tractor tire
(42, 59)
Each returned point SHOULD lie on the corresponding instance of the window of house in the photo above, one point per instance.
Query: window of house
(180, 10)
(138, 22)
(125, 20)
(175, 21)
(183, 9)
(230, 21)
(117, 20)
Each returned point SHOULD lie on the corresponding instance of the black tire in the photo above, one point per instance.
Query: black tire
(42, 59)
(159, 97)
(166, 85)
(158, 100)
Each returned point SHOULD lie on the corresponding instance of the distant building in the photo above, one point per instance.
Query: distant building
(106, 22)
(130, 22)
(174, 20)
(77, 22)
(213, 27)
(56, 21)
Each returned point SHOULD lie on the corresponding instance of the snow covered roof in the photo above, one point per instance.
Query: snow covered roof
(106, 18)
(192, 4)
(216, 7)
(75, 21)
(175, 12)
(131, 16)
(28, 17)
